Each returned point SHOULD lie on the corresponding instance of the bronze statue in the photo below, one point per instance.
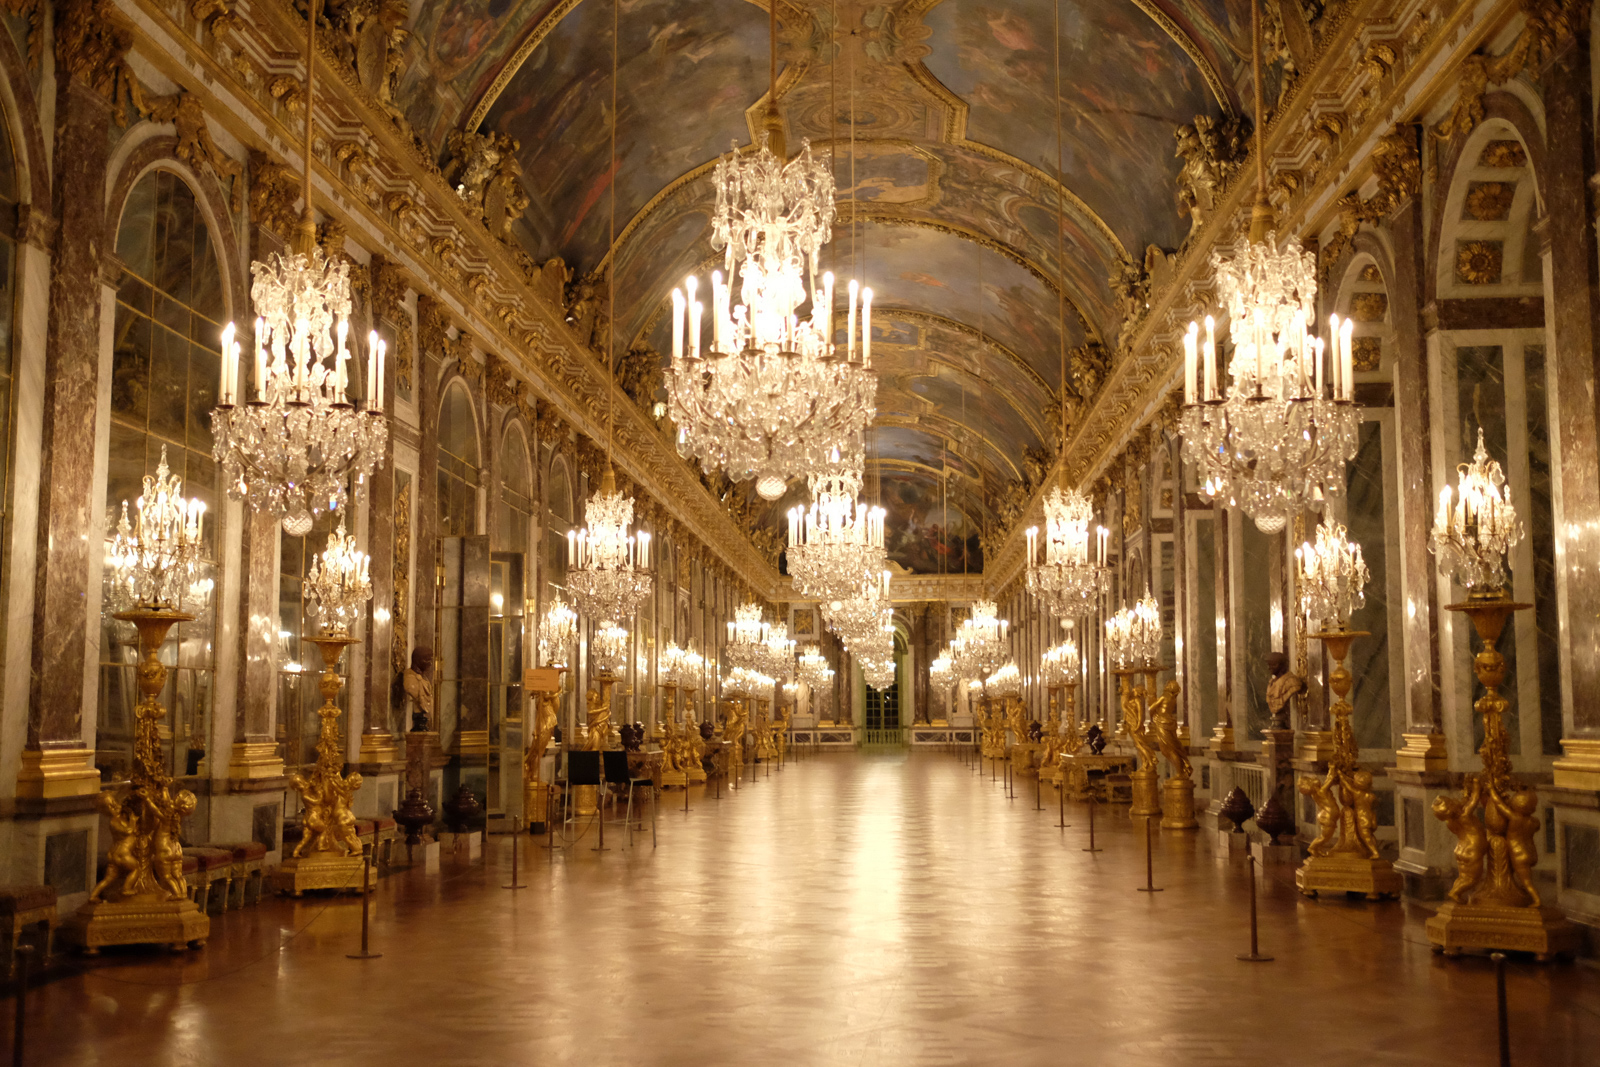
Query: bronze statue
(1283, 687)
(418, 682)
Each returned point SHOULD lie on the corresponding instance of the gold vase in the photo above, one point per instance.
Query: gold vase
(1494, 904)
(144, 898)
(1344, 857)
(329, 853)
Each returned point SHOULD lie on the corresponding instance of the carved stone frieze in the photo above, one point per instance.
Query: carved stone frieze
(195, 145)
(274, 195)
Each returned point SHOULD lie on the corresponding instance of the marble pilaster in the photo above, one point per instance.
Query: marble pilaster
(255, 754)
(1222, 740)
(56, 761)
(1570, 270)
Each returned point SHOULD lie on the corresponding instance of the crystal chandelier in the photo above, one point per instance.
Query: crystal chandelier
(1471, 539)
(558, 633)
(747, 639)
(979, 647)
(941, 674)
(680, 667)
(153, 560)
(836, 546)
(1060, 665)
(744, 682)
(770, 397)
(858, 618)
(608, 650)
(1066, 581)
(291, 452)
(339, 583)
(608, 572)
(779, 658)
(1133, 635)
(1330, 577)
(1005, 682)
(812, 668)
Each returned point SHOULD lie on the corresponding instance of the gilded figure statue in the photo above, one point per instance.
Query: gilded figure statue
(1164, 723)
(1133, 724)
(1050, 755)
(597, 730)
(1471, 841)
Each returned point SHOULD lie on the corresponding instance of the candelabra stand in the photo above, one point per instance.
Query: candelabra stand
(695, 747)
(1494, 904)
(1344, 857)
(535, 793)
(1177, 792)
(1146, 779)
(144, 898)
(329, 853)
(674, 745)
(1023, 751)
(595, 737)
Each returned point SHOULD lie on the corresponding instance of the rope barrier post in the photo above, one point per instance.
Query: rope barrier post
(366, 906)
(23, 954)
(516, 847)
(1150, 862)
(1254, 955)
(1500, 1004)
(1038, 791)
(1061, 796)
(1091, 847)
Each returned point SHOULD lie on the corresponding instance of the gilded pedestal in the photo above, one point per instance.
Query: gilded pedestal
(1344, 857)
(329, 853)
(1494, 903)
(144, 898)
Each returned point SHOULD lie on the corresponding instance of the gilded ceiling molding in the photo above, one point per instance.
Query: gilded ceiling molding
(988, 340)
(1430, 41)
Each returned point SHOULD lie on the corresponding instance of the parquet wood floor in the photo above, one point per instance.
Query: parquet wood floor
(850, 909)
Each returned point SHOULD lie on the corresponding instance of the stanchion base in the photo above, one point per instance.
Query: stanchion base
(1149, 889)
(1091, 850)
(363, 955)
(1251, 957)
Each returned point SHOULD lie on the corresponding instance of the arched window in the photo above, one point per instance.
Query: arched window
(165, 360)
(516, 494)
(458, 463)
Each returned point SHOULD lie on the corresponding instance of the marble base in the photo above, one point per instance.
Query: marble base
(1146, 795)
(1348, 872)
(1579, 766)
(57, 772)
(318, 870)
(674, 780)
(1232, 842)
(254, 760)
(148, 920)
(427, 854)
(1425, 753)
(1177, 805)
(1461, 928)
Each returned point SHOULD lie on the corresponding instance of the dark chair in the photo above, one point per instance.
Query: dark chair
(617, 772)
(583, 768)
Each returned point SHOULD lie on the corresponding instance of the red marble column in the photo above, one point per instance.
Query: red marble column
(1571, 307)
(56, 761)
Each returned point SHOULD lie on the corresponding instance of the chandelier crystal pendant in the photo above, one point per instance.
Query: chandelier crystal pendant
(608, 574)
(941, 675)
(1472, 538)
(836, 546)
(1006, 681)
(980, 645)
(811, 667)
(608, 649)
(1066, 580)
(856, 619)
(746, 683)
(1330, 577)
(291, 452)
(779, 658)
(339, 583)
(1060, 665)
(153, 560)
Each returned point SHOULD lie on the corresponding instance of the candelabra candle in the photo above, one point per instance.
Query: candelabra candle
(1007, 681)
(1145, 636)
(1059, 665)
(1277, 442)
(1471, 538)
(154, 558)
(339, 583)
(292, 451)
(1119, 638)
(769, 398)
(744, 682)
(558, 633)
(1330, 577)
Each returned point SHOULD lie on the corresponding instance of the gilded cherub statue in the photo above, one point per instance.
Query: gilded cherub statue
(1471, 841)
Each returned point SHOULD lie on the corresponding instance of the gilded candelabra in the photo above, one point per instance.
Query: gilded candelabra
(535, 792)
(1146, 779)
(144, 897)
(1493, 903)
(595, 736)
(329, 853)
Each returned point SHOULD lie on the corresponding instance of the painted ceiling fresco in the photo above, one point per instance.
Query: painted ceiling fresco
(939, 119)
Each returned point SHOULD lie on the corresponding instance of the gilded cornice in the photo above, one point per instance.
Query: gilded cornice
(1379, 62)
(372, 176)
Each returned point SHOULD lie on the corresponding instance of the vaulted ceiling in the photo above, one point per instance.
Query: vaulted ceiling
(950, 176)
